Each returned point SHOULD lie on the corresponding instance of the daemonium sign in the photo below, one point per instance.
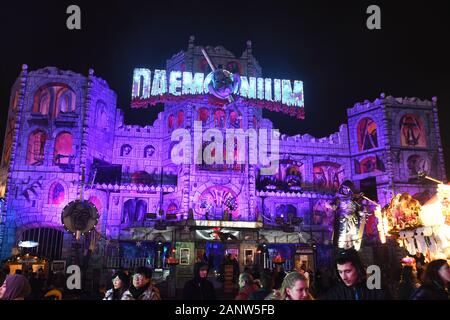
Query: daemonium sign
(275, 95)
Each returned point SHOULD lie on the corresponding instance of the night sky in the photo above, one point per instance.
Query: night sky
(326, 44)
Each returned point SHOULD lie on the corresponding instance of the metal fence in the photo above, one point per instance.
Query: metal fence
(128, 263)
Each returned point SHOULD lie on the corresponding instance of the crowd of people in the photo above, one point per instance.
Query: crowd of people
(31, 285)
(350, 284)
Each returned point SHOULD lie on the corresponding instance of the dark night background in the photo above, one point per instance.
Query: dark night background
(324, 43)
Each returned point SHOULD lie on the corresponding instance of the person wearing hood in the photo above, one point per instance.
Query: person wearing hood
(142, 287)
(199, 288)
(15, 287)
(352, 280)
(120, 282)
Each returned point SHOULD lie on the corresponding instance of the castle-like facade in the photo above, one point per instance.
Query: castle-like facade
(60, 122)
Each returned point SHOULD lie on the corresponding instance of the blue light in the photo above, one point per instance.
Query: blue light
(260, 93)
(268, 89)
(175, 83)
(292, 97)
(192, 86)
(159, 86)
(138, 74)
(277, 89)
(248, 87)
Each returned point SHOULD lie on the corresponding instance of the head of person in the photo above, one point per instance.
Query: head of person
(201, 270)
(266, 280)
(120, 280)
(295, 286)
(437, 271)
(349, 267)
(408, 274)
(15, 287)
(2, 289)
(346, 188)
(142, 277)
(245, 279)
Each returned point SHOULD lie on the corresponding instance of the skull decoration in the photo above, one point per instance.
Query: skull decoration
(223, 84)
(80, 216)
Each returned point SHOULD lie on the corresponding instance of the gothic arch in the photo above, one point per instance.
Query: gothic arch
(36, 147)
(56, 193)
(54, 98)
(63, 152)
(366, 132)
(412, 131)
(327, 175)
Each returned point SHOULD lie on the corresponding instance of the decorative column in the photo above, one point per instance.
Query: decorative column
(388, 148)
(440, 151)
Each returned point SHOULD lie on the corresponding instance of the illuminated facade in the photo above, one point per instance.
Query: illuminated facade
(60, 121)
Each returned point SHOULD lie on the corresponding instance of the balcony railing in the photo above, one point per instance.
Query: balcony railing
(128, 263)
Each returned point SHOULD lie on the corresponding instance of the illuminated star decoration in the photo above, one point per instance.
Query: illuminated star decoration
(138, 244)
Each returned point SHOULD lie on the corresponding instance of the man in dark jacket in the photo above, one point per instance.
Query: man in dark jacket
(352, 280)
(199, 288)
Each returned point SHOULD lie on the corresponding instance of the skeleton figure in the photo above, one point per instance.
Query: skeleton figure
(347, 217)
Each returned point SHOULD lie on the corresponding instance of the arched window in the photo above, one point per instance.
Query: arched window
(203, 115)
(367, 134)
(170, 122)
(149, 151)
(327, 175)
(36, 148)
(172, 208)
(96, 202)
(125, 150)
(219, 118)
(56, 193)
(63, 148)
(412, 131)
(54, 98)
(134, 210)
(65, 100)
(42, 100)
(180, 118)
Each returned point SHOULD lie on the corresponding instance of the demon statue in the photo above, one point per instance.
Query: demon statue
(348, 217)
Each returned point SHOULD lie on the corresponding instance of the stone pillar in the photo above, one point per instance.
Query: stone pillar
(7, 225)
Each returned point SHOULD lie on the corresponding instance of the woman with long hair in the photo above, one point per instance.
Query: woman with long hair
(120, 282)
(295, 286)
(436, 280)
(408, 283)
